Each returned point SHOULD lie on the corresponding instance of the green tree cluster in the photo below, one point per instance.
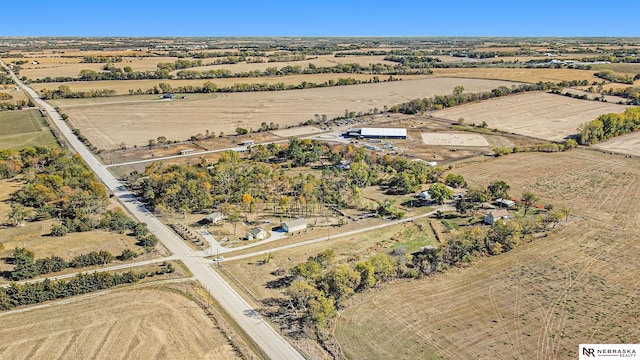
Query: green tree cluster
(27, 267)
(607, 126)
(33, 293)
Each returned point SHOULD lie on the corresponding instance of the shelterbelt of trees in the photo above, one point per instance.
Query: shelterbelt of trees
(261, 178)
(458, 97)
(609, 125)
(111, 72)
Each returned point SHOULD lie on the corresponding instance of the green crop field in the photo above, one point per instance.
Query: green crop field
(21, 128)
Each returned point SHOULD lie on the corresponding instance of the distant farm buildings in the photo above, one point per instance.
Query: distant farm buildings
(377, 133)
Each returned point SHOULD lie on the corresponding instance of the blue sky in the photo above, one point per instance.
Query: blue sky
(322, 18)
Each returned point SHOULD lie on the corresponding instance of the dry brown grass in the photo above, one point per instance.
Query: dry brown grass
(517, 74)
(540, 115)
(578, 285)
(143, 323)
(626, 144)
(107, 125)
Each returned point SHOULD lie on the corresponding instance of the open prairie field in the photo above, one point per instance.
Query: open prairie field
(519, 74)
(541, 115)
(108, 125)
(21, 128)
(143, 323)
(578, 285)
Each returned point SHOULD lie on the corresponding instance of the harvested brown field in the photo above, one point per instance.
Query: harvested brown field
(541, 115)
(108, 125)
(143, 323)
(519, 74)
(578, 285)
(626, 144)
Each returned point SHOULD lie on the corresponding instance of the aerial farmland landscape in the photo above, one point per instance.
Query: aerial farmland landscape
(289, 190)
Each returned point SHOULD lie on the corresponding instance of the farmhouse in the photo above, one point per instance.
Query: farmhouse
(256, 233)
(495, 215)
(213, 218)
(377, 133)
(296, 225)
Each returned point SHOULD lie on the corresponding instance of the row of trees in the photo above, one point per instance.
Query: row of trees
(617, 78)
(27, 294)
(27, 267)
(607, 126)
(458, 96)
(64, 92)
(111, 72)
(101, 59)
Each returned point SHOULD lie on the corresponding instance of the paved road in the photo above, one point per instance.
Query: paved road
(270, 341)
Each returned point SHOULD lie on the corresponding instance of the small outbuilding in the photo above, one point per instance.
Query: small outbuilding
(505, 203)
(256, 233)
(495, 215)
(295, 225)
(424, 196)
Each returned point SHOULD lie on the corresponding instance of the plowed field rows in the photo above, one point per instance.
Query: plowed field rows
(131, 324)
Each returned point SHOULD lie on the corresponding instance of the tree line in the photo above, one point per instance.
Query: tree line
(164, 72)
(631, 93)
(458, 96)
(617, 78)
(610, 125)
(17, 295)
(101, 59)
(27, 267)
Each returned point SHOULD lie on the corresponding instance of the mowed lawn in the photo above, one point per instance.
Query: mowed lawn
(22, 128)
(577, 285)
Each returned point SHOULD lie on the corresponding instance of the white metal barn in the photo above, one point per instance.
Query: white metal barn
(294, 225)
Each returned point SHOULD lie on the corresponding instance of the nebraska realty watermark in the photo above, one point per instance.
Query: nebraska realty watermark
(609, 351)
